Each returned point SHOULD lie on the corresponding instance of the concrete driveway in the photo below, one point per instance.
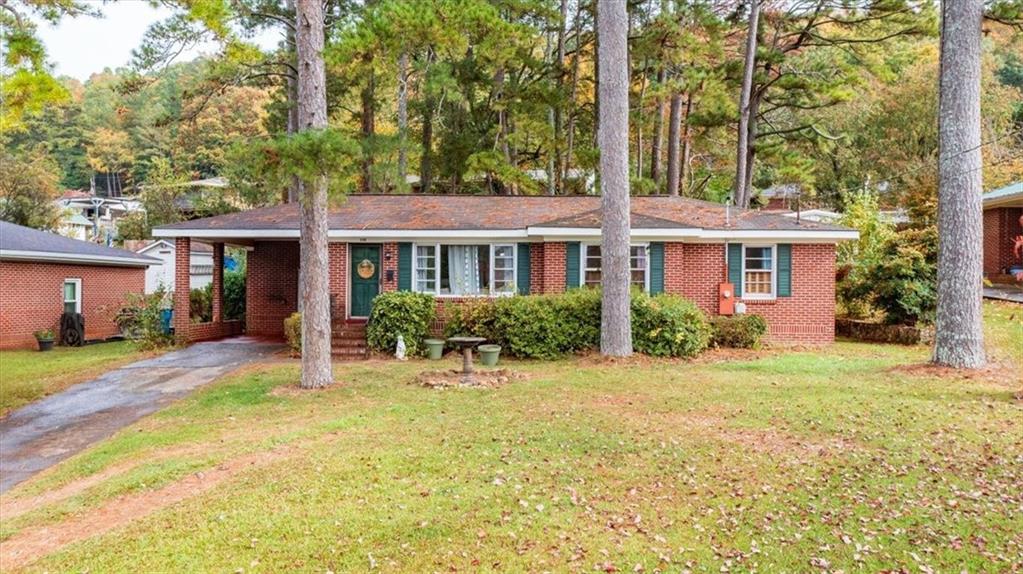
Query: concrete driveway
(46, 432)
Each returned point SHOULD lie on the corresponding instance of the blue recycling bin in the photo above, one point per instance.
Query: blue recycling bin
(165, 318)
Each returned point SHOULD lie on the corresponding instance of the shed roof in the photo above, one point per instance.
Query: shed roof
(27, 244)
(1008, 196)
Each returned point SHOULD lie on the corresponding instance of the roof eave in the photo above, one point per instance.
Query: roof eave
(77, 258)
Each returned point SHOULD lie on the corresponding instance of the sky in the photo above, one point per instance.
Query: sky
(79, 47)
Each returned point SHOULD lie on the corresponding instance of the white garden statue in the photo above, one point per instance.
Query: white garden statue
(399, 352)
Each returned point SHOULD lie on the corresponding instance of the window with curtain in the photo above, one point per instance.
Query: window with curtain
(72, 295)
(465, 270)
(637, 263)
(758, 271)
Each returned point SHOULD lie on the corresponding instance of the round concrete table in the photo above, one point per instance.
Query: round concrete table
(466, 344)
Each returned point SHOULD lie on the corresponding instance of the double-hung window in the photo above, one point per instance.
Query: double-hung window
(639, 266)
(72, 295)
(465, 270)
(758, 271)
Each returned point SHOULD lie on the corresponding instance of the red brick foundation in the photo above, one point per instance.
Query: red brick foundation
(32, 298)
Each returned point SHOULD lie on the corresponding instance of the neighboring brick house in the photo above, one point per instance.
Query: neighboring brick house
(1003, 209)
(44, 274)
(457, 247)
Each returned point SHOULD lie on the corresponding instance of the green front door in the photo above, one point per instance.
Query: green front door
(365, 274)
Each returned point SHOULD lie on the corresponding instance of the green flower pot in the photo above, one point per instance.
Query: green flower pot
(434, 348)
(489, 354)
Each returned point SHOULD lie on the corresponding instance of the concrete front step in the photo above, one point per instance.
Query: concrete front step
(349, 353)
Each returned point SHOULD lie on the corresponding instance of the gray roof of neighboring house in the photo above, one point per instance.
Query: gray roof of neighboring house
(1010, 195)
(27, 244)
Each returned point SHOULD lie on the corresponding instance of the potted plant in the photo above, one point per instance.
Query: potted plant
(489, 354)
(44, 337)
(434, 348)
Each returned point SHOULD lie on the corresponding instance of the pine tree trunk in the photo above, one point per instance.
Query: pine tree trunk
(740, 195)
(959, 335)
(566, 161)
(291, 95)
(402, 119)
(596, 73)
(658, 143)
(312, 114)
(613, 89)
(674, 127)
(686, 146)
(556, 184)
(368, 121)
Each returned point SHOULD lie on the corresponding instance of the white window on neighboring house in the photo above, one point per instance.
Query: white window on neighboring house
(72, 295)
(758, 271)
(464, 270)
(639, 266)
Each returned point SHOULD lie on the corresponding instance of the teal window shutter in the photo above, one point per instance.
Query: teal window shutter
(735, 267)
(784, 269)
(522, 279)
(656, 268)
(404, 266)
(572, 265)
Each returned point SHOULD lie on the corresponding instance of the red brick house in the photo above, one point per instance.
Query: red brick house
(1003, 209)
(457, 247)
(44, 274)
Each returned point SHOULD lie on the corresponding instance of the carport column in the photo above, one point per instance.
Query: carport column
(218, 282)
(182, 287)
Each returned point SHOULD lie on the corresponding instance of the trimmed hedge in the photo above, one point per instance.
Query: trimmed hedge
(550, 326)
(293, 332)
(668, 326)
(738, 331)
(400, 312)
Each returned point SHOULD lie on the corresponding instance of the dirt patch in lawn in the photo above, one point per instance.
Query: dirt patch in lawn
(997, 371)
(482, 379)
(33, 543)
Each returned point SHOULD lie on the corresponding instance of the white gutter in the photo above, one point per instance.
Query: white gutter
(52, 257)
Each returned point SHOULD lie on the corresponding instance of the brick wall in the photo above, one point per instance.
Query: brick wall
(1001, 225)
(536, 267)
(694, 271)
(271, 287)
(553, 274)
(338, 264)
(32, 298)
(389, 262)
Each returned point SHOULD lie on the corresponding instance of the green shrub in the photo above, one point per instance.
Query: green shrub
(901, 281)
(550, 326)
(200, 304)
(668, 326)
(234, 295)
(293, 332)
(141, 319)
(474, 317)
(400, 313)
(738, 331)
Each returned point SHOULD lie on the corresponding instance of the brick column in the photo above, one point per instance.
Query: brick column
(218, 282)
(182, 277)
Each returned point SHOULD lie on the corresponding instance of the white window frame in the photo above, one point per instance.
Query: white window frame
(774, 272)
(78, 294)
(646, 269)
(490, 284)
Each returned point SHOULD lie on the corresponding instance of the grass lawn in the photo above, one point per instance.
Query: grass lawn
(852, 458)
(26, 376)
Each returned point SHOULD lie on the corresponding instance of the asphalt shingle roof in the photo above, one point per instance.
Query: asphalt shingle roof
(476, 212)
(16, 238)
